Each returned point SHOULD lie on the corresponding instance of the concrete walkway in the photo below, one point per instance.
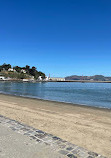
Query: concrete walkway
(21, 141)
(15, 145)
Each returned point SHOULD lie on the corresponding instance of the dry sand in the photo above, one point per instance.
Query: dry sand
(84, 126)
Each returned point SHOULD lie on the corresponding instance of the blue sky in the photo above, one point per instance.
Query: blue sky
(60, 37)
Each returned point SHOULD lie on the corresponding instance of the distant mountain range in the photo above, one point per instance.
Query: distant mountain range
(93, 78)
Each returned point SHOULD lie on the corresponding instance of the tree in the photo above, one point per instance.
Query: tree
(27, 68)
(33, 71)
(0, 68)
(34, 68)
(29, 71)
(6, 66)
(41, 74)
(17, 68)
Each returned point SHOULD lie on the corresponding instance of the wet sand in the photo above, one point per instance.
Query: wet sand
(84, 126)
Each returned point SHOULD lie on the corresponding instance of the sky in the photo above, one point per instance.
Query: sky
(59, 37)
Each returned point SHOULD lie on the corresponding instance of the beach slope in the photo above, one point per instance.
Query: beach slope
(84, 126)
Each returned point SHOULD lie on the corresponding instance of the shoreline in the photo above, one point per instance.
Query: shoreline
(60, 102)
(85, 126)
(81, 81)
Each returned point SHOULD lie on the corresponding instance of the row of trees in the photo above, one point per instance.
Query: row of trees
(5, 67)
(32, 71)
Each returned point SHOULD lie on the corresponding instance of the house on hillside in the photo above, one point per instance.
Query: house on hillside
(23, 71)
(40, 78)
(11, 70)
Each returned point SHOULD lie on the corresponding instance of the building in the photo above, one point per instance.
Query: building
(46, 78)
(25, 80)
(57, 79)
(11, 70)
(23, 71)
(2, 78)
(31, 78)
(40, 78)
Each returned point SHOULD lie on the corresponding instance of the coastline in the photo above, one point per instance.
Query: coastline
(85, 126)
(60, 102)
(35, 81)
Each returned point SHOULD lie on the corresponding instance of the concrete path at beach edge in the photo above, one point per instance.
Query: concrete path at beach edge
(21, 141)
(15, 145)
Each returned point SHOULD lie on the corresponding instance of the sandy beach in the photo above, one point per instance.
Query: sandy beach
(84, 126)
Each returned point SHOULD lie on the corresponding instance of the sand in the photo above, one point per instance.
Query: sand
(84, 126)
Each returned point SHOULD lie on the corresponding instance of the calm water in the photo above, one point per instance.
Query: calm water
(92, 94)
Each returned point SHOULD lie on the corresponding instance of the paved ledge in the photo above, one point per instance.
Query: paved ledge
(62, 147)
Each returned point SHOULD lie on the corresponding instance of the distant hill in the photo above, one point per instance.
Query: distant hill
(95, 78)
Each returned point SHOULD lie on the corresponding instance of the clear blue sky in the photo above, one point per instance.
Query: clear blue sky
(60, 37)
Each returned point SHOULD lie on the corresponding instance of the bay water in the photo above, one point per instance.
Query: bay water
(91, 94)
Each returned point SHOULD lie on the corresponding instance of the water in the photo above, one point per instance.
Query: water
(92, 94)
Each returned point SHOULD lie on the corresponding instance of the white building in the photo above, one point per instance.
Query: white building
(31, 78)
(46, 78)
(11, 70)
(40, 78)
(57, 79)
(2, 78)
(25, 80)
(23, 71)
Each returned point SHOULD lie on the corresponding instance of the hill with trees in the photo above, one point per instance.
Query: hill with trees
(20, 72)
